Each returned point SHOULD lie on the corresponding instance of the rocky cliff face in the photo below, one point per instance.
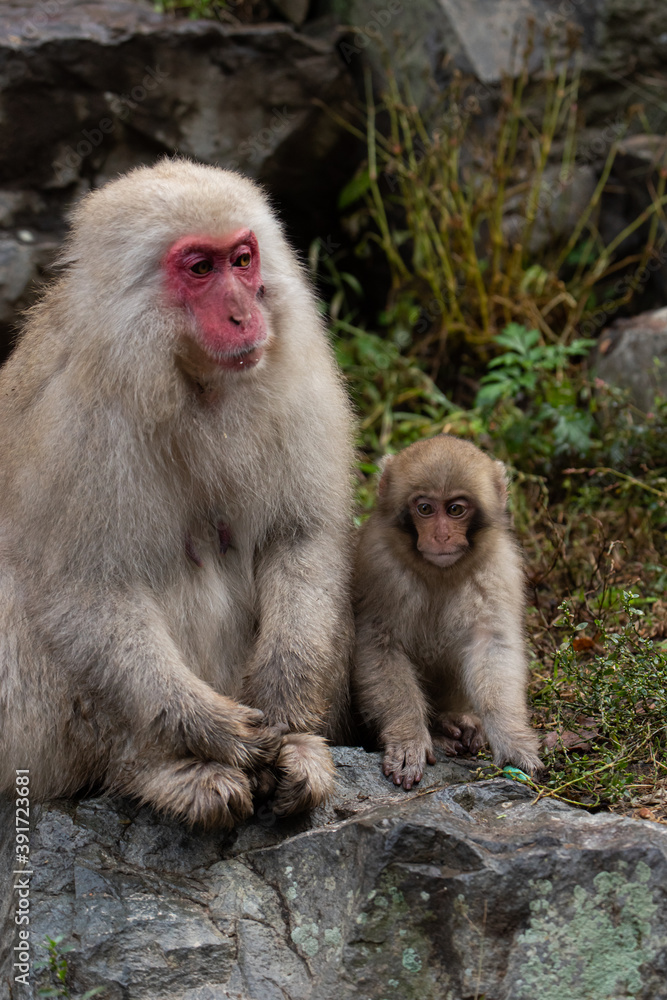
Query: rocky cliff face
(461, 889)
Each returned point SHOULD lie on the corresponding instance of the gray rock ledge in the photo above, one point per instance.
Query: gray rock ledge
(458, 890)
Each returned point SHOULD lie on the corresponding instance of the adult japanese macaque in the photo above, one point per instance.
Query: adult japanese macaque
(440, 657)
(174, 507)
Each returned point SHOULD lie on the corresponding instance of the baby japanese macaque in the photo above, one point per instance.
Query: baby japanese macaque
(440, 654)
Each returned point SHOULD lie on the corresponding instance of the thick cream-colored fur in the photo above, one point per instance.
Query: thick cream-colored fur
(121, 660)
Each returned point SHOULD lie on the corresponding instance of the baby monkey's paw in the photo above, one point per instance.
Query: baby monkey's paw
(526, 759)
(516, 745)
(458, 734)
(404, 761)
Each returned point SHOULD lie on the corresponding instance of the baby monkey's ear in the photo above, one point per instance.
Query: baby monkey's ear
(384, 464)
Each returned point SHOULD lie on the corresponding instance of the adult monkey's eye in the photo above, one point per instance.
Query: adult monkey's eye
(425, 509)
(202, 267)
(242, 260)
(456, 510)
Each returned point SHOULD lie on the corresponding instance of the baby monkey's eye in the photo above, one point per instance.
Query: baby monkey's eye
(456, 509)
(243, 260)
(425, 509)
(202, 267)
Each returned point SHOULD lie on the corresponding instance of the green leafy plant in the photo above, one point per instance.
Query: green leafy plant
(525, 361)
(535, 401)
(56, 964)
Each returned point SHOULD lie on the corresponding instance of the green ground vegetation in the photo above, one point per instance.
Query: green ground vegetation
(189, 8)
(227, 11)
(53, 967)
(484, 337)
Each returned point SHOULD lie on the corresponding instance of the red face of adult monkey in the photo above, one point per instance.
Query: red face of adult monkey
(440, 655)
(174, 508)
(219, 283)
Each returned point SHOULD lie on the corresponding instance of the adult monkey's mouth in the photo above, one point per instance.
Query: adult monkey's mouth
(240, 361)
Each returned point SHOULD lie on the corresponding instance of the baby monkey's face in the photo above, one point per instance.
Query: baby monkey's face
(442, 527)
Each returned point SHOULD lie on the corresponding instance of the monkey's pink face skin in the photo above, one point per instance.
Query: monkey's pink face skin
(442, 528)
(219, 284)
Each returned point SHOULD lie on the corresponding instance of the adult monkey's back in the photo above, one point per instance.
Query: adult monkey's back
(174, 509)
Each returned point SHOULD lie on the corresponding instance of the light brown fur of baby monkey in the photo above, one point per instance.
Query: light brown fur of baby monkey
(440, 654)
(175, 450)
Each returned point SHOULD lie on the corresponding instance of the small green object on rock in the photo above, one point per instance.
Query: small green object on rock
(515, 773)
